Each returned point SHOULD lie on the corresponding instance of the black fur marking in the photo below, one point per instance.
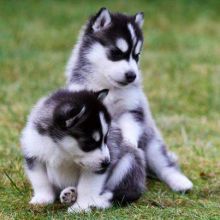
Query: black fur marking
(129, 189)
(66, 105)
(41, 130)
(30, 162)
(138, 114)
(170, 163)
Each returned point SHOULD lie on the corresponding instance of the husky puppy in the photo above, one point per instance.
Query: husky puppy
(65, 148)
(106, 56)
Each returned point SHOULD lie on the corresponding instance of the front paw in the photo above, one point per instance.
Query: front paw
(42, 199)
(68, 195)
(85, 203)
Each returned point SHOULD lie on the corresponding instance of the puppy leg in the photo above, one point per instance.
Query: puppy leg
(43, 190)
(160, 162)
(89, 193)
(130, 129)
(127, 179)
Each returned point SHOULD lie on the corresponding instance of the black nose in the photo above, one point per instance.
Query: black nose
(105, 163)
(130, 76)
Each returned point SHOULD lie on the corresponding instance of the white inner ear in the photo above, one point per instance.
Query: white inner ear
(138, 47)
(102, 20)
(122, 45)
(139, 19)
(96, 136)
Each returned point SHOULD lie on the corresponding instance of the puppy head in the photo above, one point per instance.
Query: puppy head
(83, 123)
(115, 41)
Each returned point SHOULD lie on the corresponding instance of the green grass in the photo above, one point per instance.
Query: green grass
(181, 71)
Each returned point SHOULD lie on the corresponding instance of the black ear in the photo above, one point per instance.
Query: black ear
(67, 116)
(102, 94)
(75, 119)
(102, 20)
(139, 19)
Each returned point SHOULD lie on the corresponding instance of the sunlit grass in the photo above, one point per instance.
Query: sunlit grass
(181, 72)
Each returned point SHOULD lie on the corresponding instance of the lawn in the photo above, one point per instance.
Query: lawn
(181, 73)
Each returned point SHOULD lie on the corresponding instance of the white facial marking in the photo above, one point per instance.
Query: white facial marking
(138, 47)
(96, 136)
(122, 44)
(103, 123)
(133, 35)
(105, 151)
(114, 70)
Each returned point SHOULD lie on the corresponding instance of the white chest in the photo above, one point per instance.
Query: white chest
(64, 175)
(119, 101)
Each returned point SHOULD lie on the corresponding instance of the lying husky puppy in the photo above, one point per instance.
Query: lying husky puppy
(64, 145)
(106, 56)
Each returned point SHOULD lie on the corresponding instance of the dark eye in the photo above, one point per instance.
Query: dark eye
(136, 57)
(89, 145)
(117, 54)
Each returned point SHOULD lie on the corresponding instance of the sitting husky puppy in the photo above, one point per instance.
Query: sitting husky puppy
(64, 145)
(106, 56)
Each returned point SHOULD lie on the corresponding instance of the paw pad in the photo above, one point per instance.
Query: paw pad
(68, 196)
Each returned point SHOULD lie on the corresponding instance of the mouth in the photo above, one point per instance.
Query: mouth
(118, 83)
(122, 83)
(101, 171)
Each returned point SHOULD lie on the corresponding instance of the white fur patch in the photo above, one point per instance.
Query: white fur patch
(105, 152)
(89, 193)
(131, 130)
(138, 47)
(122, 45)
(121, 169)
(176, 180)
(43, 191)
(103, 123)
(70, 145)
(96, 136)
(132, 32)
(139, 19)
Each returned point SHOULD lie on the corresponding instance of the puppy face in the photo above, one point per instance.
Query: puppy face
(83, 125)
(115, 46)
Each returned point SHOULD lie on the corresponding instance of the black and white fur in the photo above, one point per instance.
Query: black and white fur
(65, 148)
(106, 56)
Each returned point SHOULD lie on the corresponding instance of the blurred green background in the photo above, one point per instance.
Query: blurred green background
(181, 73)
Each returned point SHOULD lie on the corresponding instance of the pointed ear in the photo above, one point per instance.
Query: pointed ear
(102, 20)
(75, 119)
(102, 94)
(139, 19)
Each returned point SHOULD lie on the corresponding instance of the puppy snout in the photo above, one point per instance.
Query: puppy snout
(130, 76)
(105, 163)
